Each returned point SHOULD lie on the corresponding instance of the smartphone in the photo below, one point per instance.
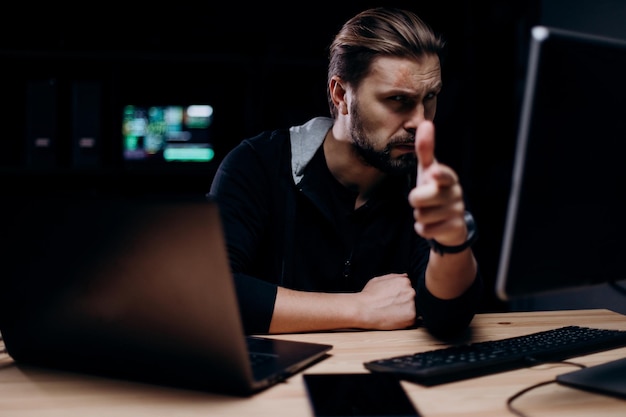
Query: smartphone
(358, 395)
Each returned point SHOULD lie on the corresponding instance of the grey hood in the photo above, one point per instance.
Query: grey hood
(305, 141)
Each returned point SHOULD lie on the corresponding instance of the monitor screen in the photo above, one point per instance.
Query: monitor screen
(565, 224)
(159, 134)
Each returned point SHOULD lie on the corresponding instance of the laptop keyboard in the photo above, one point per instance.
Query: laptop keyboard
(257, 359)
(483, 358)
(259, 350)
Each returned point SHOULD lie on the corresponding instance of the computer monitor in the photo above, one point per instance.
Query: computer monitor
(173, 115)
(565, 227)
(155, 135)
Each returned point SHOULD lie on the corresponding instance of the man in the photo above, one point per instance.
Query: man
(326, 224)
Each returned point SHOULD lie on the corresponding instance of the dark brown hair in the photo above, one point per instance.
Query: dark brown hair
(378, 32)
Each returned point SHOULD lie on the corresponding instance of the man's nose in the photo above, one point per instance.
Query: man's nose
(414, 118)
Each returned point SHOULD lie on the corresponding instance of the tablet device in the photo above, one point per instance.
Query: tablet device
(358, 395)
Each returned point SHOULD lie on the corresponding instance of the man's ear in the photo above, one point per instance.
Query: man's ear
(338, 94)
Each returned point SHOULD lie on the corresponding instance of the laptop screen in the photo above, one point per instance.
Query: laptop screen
(565, 224)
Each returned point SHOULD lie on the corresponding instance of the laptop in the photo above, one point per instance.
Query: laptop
(134, 288)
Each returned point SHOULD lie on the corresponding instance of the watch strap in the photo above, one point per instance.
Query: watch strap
(472, 235)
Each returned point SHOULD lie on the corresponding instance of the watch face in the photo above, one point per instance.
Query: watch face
(472, 231)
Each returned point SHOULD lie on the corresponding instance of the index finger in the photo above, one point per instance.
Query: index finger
(425, 144)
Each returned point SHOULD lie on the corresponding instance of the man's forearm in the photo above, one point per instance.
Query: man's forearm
(300, 311)
(386, 302)
(448, 276)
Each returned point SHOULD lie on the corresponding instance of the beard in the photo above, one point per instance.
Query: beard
(380, 159)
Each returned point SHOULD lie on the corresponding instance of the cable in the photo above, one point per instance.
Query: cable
(509, 401)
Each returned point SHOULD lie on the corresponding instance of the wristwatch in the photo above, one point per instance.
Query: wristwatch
(472, 235)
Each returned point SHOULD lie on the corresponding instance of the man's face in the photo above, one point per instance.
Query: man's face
(396, 95)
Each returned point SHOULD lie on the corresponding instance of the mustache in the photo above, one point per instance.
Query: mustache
(407, 140)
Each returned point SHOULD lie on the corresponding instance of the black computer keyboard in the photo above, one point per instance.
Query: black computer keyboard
(482, 358)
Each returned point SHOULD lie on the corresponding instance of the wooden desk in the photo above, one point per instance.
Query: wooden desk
(40, 392)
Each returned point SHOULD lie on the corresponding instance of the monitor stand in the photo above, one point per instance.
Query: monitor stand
(608, 378)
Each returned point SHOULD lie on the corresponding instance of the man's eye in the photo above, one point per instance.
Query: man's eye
(403, 100)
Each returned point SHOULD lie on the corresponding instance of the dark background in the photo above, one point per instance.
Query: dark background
(263, 66)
